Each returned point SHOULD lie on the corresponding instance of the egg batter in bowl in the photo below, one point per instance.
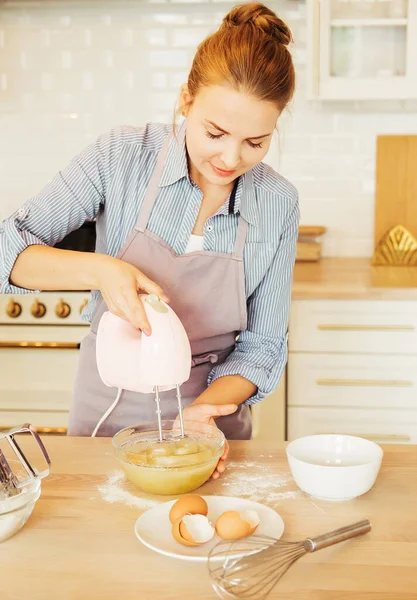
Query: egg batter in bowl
(176, 465)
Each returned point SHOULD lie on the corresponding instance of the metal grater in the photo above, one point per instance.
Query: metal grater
(9, 482)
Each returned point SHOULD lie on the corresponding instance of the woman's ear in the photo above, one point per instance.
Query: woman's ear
(184, 100)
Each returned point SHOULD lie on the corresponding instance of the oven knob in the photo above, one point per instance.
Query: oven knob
(13, 309)
(83, 305)
(38, 309)
(62, 309)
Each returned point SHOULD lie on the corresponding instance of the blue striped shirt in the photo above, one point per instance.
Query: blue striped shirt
(108, 181)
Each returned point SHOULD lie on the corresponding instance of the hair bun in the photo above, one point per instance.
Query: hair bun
(261, 17)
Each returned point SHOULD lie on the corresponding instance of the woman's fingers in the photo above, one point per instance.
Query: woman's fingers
(136, 313)
(150, 287)
(220, 469)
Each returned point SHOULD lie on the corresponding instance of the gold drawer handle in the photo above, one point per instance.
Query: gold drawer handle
(44, 430)
(48, 345)
(334, 327)
(374, 436)
(365, 382)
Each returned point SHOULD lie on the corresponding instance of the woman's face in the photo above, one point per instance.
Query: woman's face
(228, 133)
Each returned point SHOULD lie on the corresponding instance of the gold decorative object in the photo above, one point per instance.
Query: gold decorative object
(398, 247)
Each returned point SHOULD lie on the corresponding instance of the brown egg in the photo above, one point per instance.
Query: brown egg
(177, 526)
(191, 504)
(192, 530)
(232, 525)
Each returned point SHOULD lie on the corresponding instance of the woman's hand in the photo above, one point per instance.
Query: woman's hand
(206, 413)
(119, 283)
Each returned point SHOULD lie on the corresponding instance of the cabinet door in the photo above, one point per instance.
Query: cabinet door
(352, 381)
(363, 50)
(382, 426)
(354, 326)
(269, 416)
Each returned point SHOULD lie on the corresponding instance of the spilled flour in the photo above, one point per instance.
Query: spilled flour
(114, 490)
(260, 484)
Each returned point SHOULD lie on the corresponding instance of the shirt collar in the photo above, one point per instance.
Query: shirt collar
(246, 202)
(176, 168)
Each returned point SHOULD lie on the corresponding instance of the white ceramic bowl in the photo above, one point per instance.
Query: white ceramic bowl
(334, 467)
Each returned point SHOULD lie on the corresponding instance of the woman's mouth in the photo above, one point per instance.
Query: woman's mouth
(222, 172)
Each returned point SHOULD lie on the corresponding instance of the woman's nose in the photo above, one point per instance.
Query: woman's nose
(231, 157)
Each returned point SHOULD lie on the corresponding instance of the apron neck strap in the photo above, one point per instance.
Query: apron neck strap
(242, 230)
(152, 191)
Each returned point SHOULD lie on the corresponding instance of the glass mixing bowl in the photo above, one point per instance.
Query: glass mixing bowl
(176, 465)
(16, 510)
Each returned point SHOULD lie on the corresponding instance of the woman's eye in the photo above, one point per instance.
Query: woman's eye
(214, 137)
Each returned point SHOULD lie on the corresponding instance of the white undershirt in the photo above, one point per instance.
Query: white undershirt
(195, 243)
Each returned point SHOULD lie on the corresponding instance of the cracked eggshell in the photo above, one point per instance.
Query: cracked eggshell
(192, 530)
(232, 525)
(191, 504)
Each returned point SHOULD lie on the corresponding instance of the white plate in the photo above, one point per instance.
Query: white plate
(153, 527)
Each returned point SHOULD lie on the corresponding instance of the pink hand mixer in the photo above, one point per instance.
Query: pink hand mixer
(130, 360)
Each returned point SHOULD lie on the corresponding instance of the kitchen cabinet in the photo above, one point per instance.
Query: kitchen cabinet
(352, 369)
(362, 49)
(269, 416)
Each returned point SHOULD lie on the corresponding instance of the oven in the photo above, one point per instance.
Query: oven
(40, 335)
(39, 342)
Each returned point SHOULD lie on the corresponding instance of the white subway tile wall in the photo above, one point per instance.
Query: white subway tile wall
(70, 70)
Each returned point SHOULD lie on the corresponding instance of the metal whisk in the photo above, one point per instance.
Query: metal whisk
(251, 567)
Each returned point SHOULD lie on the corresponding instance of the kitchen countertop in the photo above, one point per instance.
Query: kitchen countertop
(78, 546)
(353, 278)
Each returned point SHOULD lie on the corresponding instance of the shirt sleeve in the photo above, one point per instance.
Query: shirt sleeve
(261, 351)
(72, 197)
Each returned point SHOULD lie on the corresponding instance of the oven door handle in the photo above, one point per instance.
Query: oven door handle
(42, 345)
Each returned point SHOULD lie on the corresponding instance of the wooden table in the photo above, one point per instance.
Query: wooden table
(78, 546)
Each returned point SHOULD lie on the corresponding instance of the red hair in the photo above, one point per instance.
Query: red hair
(249, 53)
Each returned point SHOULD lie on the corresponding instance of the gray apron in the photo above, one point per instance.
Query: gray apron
(207, 291)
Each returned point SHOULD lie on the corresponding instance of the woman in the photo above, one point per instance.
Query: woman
(191, 214)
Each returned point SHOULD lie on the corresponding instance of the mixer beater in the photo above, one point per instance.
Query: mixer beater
(10, 483)
(159, 412)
